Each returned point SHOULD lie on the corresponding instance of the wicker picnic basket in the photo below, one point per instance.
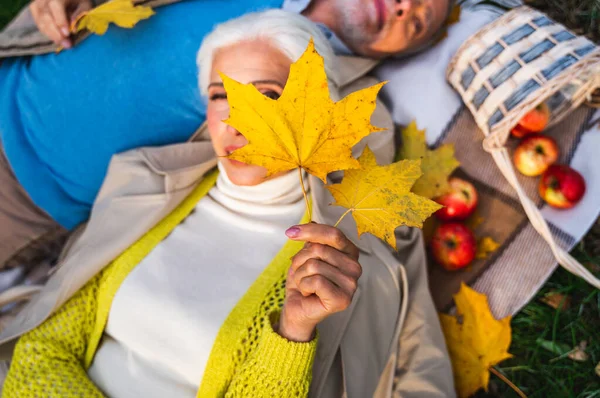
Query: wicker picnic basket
(508, 68)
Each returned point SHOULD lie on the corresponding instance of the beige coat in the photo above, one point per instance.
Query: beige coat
(391, 328)
(388, 339)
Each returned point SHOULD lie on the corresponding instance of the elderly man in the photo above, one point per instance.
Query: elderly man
(373, 28)
(63, 115)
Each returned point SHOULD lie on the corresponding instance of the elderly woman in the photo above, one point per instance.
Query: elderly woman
(189, 281)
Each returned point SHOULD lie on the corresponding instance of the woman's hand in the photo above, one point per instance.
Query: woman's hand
(53, 17)
(321, 280)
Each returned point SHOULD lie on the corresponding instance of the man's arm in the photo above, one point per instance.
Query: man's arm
(53, 17)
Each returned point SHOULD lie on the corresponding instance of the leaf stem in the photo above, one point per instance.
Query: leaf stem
(304, 192)
(510, 383)
(342, 217)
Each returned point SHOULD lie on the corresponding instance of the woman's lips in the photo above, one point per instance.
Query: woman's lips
(229, 150)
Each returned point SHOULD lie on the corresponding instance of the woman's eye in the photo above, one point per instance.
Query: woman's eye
(218, 96)
(271, 94)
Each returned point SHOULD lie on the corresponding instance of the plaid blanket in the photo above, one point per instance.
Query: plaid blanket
(513, 273)
(519, 267)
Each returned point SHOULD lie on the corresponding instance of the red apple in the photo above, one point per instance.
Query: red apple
(536, 119)
(561, 186)
(453, 246)
(459, 203)
(520, 132)
(535, 154)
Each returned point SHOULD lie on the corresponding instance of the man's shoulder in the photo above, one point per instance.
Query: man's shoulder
(295, 5)
(353, 70)
(497, 5)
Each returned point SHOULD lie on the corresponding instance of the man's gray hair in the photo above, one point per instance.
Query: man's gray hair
(288, 32)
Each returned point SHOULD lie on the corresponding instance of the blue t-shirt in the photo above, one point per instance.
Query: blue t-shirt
(62, 116)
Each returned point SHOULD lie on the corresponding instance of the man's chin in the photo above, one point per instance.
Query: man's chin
(370, 53)
(362, 45)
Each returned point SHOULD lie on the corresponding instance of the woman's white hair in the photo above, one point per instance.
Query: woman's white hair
(286, 31)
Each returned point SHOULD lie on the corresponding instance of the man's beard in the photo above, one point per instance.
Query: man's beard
(353, 24)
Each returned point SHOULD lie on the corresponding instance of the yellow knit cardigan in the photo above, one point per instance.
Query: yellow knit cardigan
(248, 358)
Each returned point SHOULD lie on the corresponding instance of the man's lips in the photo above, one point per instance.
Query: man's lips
(381, 13)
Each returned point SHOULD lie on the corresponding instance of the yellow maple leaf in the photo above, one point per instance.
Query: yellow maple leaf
(475, 344)
(379, 197)
(303, 127)
(485, 247)
(120, 12)
(437, 165)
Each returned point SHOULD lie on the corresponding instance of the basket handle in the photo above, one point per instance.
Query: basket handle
(502, 159)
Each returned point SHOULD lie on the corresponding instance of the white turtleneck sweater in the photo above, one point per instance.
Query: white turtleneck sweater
(166, 315)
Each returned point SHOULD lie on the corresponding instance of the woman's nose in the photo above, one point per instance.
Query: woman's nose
(403, 7)
(232, 131)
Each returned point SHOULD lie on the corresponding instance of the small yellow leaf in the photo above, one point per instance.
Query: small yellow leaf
(454, 16)
(485, 247)
(477, 343)
(379, 197)
(437, 165)
(120, 12)
(557, 301)
(303, 127)
(474, 221)
(598, 369)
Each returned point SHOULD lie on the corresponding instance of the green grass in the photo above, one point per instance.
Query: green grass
(583, 16)
(538, 371)
(8, 9)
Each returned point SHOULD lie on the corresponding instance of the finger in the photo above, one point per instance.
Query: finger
(333, 298)
(47, 27)
(323, 234)
(313, 267)
(59, 14)
(35, 8)
(328, 254)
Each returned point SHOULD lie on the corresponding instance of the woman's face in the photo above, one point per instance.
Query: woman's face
(255, 62)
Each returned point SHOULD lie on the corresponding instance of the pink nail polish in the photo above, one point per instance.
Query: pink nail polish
(292, 232)
(65, 31)
(65, 43)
